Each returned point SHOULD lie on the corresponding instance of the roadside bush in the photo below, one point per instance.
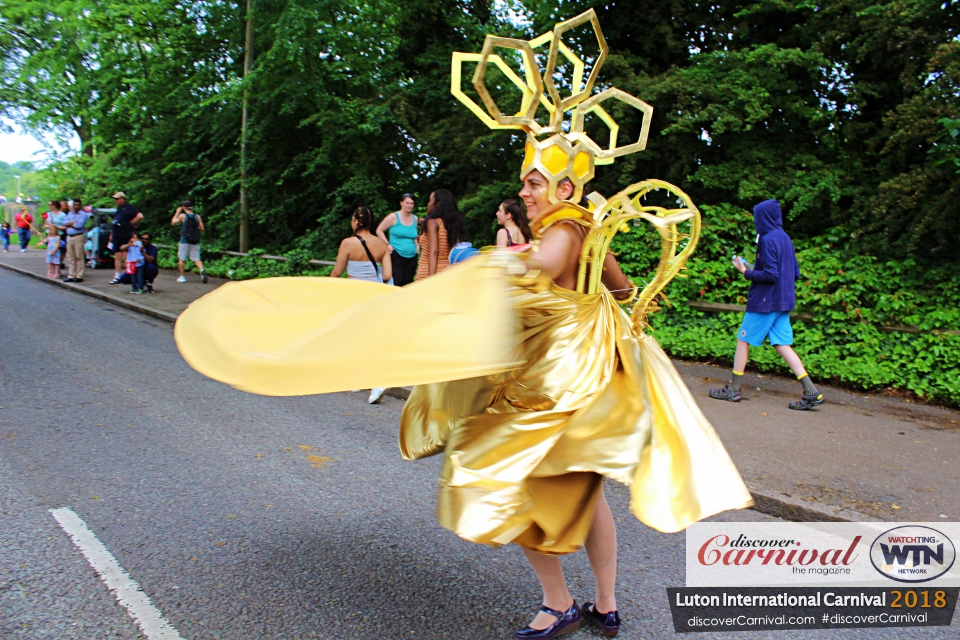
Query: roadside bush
(251, 266)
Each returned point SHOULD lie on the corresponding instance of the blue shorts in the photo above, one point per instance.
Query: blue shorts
(757, 327)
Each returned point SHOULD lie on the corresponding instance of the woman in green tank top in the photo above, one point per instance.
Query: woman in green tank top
(402, 226)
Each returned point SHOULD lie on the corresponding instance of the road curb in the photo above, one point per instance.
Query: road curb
(105, 297)
(782, 506)
(399, 392)
(768, 502)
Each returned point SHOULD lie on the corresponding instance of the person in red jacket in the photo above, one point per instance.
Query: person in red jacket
(24, 220)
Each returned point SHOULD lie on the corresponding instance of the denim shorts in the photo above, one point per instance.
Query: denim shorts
(757, 327)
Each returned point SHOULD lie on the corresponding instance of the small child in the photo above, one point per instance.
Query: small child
(92, 245)
(135, 263)
(53, 251)
(5, 236)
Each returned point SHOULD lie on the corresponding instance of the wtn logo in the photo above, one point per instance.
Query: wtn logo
(912, 554)
(899, 555)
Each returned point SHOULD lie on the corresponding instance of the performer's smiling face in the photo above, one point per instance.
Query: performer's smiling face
(534, 193)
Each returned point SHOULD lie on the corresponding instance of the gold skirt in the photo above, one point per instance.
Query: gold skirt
(526, 450)
(533, 392)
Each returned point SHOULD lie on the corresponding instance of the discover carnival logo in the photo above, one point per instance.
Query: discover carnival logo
(912, 554)
(744, 551)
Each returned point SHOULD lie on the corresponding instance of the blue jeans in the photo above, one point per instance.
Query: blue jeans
(150, 273)
(6, 243)
(136, 279)
(24, 237)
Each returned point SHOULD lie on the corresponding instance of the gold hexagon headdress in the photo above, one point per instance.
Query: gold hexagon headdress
(566, 152)
(562, 150)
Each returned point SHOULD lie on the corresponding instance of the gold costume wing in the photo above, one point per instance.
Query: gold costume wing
(298, 336)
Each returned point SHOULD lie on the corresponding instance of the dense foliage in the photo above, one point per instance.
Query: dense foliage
(844, 110)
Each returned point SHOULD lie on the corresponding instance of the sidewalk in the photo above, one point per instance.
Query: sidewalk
(857, 456)
(170, 299)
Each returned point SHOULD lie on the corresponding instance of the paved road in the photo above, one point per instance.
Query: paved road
(243, 516)
(854, 455)
(857, 454)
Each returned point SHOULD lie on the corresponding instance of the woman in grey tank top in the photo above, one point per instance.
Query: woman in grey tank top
(364, 256)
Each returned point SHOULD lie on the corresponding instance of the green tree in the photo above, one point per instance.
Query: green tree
(51, 72)
(831, 107)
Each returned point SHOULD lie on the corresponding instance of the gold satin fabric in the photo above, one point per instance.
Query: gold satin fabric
(526, 450)
(533, 392)
(300, 336)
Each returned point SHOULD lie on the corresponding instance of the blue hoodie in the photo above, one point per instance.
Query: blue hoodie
(776, 270)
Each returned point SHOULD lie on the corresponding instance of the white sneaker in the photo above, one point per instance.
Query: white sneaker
(182, 279)
(376, 394)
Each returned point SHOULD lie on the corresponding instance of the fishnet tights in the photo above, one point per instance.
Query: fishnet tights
(601, 546)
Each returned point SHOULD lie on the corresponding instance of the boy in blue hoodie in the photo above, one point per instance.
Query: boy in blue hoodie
(769, 303)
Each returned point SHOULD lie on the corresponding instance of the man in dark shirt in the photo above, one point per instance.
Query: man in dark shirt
(124, 222)
(150, 268)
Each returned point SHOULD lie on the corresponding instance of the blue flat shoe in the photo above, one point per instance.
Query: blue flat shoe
(567, 622)
(609, 622)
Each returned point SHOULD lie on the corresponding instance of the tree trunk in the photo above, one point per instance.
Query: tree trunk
(83, 132)
(247, 67)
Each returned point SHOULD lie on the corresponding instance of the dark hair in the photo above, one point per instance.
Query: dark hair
(445, 208)
(519, 217)
(365, 218)
(187, 203)
(407, 195)
(76, 200)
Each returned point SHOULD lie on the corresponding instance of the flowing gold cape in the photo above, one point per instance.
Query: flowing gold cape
(535, 393)
(300, 336)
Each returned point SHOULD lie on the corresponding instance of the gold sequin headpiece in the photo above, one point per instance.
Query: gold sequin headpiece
(559, 149)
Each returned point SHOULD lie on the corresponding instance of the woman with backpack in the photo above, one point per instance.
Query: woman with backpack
(189, 249)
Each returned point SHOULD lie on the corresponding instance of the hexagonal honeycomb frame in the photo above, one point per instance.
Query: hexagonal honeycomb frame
(539, 87)
(567, 152)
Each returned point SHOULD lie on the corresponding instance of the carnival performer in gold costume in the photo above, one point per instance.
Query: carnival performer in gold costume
(550, 388)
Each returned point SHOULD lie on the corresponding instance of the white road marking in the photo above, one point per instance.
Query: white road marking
(151, 622)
